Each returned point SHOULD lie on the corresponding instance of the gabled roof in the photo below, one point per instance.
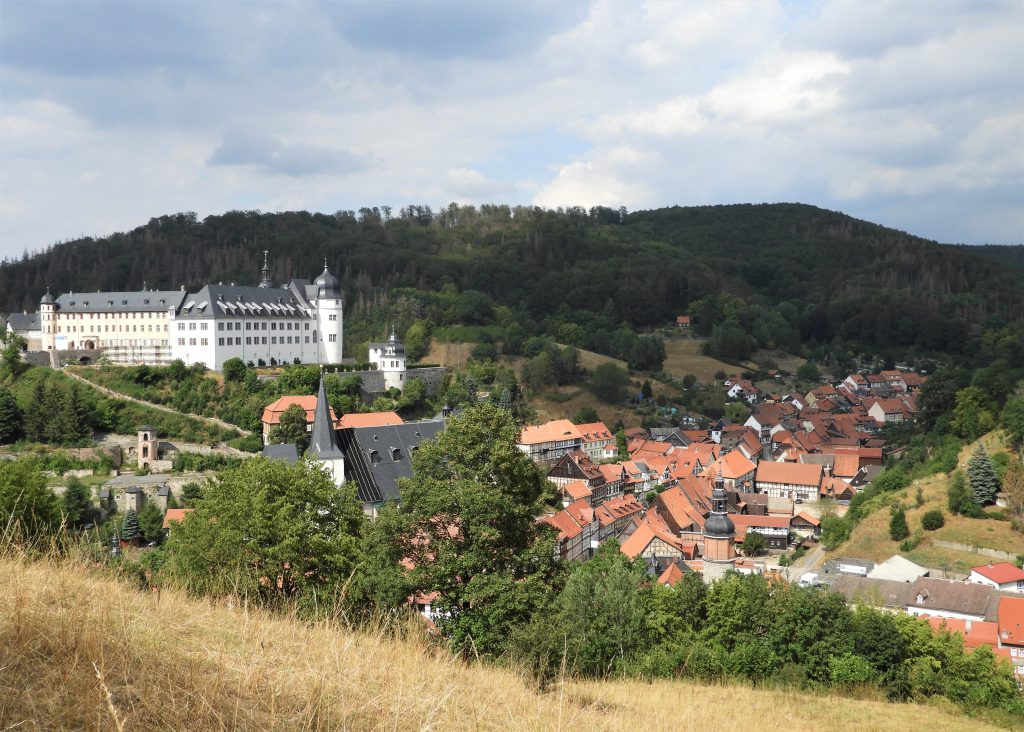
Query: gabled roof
(1011, 621)
(975, 632)
(369, 419)
(557, 430)
(615, 508)
(897, 568)
(23, 322)
(174, 515)
(789, 473)
(595, 431)
(273, 411)
(1000, 572)
(156, 301)
(289, 453)
(577, 489)
(323, 442)
(734, 465)
(812, 520)
(960, 597)
(377, 475)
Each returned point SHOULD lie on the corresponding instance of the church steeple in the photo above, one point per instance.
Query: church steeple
(323, 443)
(265, 272)
(719, 535)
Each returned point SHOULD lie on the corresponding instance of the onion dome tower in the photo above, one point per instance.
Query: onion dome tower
(330, 316)
(719, 536)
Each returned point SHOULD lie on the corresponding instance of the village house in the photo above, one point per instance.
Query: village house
(736, 470)
(895, 410)
(577, 531)
(1003, 576)
(598, 441)
(683, 322)
(614, 515)
(736, 388)
(775, 529)
(652, 539)
(576, 490)
(797, 481)
(273, 411)
(1011, 633)
(545, 443)
(949, 599)
(805, 525)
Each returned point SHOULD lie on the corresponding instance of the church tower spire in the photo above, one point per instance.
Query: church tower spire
(265, 272)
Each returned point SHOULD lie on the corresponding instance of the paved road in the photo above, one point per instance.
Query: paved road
(161, 407)
(809, 562)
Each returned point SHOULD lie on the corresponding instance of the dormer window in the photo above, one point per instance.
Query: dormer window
(396, 454)
(374, 457)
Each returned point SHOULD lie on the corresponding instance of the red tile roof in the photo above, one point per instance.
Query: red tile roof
(790, 473)
(175, 515)
(672, 575)
(1000, 572)
(273, 411)
(1011, 621)
(577, 489)
(370, 419)
(595, 432)
(557, 430)
(975, 632)
(615, 508)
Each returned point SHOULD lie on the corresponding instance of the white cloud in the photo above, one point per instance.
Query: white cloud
(882, 110)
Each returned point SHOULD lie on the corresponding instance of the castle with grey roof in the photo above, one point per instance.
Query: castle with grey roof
(263, 324)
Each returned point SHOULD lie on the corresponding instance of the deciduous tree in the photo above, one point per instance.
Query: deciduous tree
(270, 530)
(472, 536)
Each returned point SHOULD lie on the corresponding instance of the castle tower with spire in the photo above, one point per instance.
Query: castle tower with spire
(324, 447)
(719, 536)
(389, 358)
(329, 315)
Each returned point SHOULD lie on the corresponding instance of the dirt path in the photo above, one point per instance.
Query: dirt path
(151, 405)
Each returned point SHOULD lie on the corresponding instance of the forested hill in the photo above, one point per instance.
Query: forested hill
(752, 275)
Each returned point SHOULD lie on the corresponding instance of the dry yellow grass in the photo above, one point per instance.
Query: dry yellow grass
(83, 652)
(684, 356)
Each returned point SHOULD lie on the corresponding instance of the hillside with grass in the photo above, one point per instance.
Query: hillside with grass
(870, 539)
(80, 650)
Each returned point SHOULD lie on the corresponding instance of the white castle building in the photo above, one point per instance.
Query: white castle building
(389, 358)
(301, 322)
(127, 327)
(266, 325)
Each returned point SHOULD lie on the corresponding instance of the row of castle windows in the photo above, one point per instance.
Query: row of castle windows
(106, 329)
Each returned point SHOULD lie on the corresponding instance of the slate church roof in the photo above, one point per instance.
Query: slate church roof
(323, 442)
(376, 457)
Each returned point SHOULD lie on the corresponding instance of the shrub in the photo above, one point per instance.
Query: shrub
(933, 520)
(898, 528)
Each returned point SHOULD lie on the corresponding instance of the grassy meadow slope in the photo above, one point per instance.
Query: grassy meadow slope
(82, 651)
(870, 539)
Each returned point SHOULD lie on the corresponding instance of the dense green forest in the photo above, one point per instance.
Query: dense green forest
(779, 275)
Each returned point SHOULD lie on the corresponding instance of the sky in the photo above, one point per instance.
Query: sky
(908, 114)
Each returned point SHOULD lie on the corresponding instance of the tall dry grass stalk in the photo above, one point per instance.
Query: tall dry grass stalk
(174, 663)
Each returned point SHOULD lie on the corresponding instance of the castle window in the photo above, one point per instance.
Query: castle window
(220, 326)
(332, 338)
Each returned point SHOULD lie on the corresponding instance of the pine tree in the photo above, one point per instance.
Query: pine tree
(77, 502)
(35, 416)
(10, 418)
(983, 477)
(151, 522)
(505, 400)
(898, 529)
(55, 432)
(130, 530)
(75, 417)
